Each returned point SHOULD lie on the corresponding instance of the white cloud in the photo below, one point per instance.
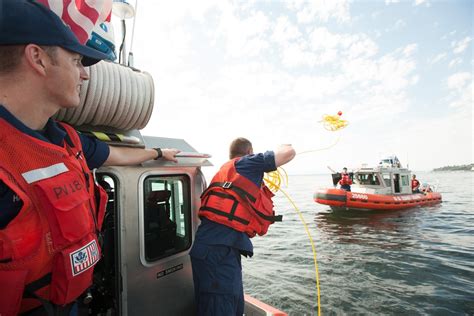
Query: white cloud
(400, 24)
(454, 62)
(460, 46)
(362, 46)
(419, 2)
(387, 2)
(437, 58)
(459, 80)
(297, 55)
(410, 49)
(325, 43)
(461, 91)
(464, 99)
(285, 32)
(244, 37)
(321, 10)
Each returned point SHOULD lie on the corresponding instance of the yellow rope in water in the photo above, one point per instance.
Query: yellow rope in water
(273, 181)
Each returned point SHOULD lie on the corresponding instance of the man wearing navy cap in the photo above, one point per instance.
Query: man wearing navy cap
(50, 207)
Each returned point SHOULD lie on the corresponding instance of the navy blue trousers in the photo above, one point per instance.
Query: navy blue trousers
(217, 276)
(346, 187)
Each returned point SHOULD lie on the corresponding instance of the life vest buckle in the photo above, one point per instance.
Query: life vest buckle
(227, 185)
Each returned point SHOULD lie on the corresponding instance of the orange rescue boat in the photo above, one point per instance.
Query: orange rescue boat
(343, 200)
(385, 187)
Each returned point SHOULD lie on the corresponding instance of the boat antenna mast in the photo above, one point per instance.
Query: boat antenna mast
(123, 10)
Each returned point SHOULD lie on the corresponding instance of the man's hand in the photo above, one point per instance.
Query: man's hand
(170, 154)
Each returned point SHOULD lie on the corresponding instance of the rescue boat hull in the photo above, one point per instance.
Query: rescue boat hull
(339, 199)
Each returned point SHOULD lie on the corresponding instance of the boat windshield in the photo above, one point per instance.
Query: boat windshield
(367, 179)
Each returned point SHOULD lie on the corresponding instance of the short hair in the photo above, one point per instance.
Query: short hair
(52, 52)
(239, 147)
(10, 57)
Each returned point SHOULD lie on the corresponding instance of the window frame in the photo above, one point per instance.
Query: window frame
(186, 181)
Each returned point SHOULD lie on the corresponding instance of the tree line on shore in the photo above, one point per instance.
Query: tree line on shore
(468, 167)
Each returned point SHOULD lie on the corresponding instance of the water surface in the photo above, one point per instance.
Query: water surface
(418, 261)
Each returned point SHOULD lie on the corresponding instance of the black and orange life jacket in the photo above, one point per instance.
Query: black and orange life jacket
(233, 200)
(47, 252)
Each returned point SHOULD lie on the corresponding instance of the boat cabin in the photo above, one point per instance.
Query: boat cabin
(387, 178)
(147, 233)
(382, 180)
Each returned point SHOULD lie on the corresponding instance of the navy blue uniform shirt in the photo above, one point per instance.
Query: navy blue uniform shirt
(95, 152)
(252, 167)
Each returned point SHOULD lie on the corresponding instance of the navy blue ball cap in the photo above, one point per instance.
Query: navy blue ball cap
(25, 22)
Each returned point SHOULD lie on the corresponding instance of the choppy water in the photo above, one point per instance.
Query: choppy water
(413, 262)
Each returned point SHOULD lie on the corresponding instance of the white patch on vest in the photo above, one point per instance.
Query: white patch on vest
(44, 173)
(84, 258)
(15, 198)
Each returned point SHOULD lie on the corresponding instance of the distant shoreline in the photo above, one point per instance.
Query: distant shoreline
(469, 167)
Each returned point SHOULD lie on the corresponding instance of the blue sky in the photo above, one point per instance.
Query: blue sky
(400, 71)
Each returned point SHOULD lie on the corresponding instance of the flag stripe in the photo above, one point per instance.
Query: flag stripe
(81, 15)
(83, 23)
(86, 10)
(84, 258)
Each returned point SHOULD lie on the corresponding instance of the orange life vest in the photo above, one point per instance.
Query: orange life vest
(49, 249)
(345, 180)
(235, 201)
(415, 183)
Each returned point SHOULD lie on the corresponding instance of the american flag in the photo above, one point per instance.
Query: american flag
(81, 15)
(84, 258)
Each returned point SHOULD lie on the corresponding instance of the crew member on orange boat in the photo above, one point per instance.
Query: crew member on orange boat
(415, 184)
(345, 181)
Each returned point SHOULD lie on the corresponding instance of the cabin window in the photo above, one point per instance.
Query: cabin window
(367, 179)
(405, 180)
(387, 179)
(167, 216)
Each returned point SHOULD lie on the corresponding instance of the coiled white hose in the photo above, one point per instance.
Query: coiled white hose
(115, 96)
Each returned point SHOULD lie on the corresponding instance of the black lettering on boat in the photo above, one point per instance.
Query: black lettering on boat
(169, 271)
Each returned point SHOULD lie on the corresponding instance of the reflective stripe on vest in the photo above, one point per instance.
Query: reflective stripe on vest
(44, 173)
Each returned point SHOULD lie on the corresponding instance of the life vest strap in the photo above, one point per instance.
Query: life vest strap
(34, 286)
(269, 218)
(230, 186)
(231, 215)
